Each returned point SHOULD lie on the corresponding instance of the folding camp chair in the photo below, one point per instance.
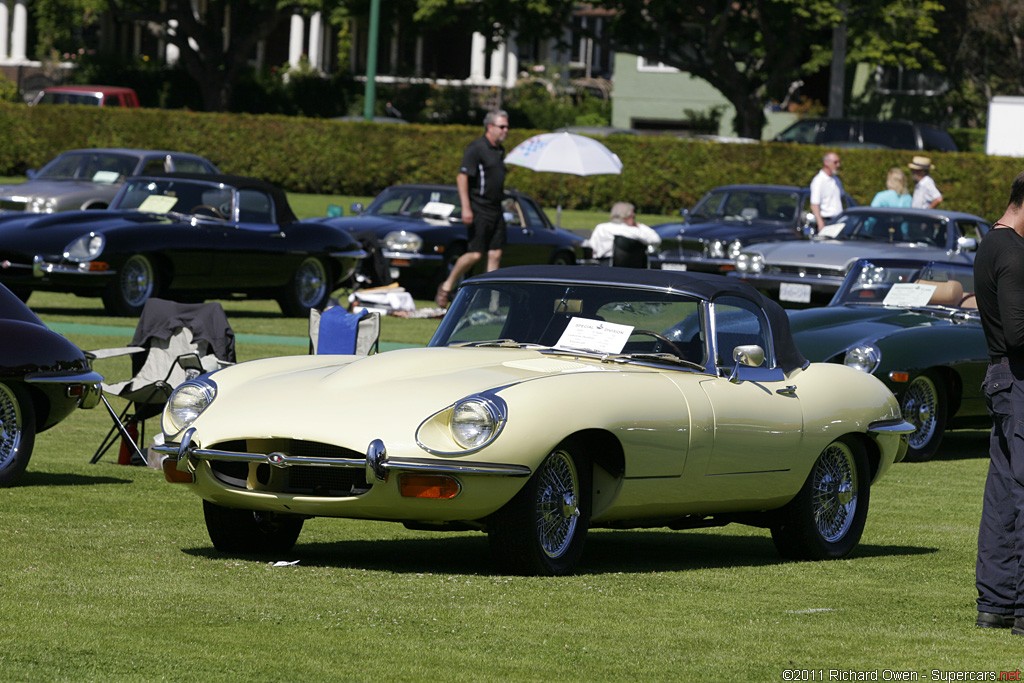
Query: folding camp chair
(628, 252)
(172, 343)
(335, 330)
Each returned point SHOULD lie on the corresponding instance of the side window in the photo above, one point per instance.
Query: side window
(968, 229)
(738, 322)
(255, 207)
(511, 210)
(155, 166)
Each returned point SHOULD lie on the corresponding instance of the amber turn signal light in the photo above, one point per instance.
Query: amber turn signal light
(173, 474)
(899, 376)
(437, 486)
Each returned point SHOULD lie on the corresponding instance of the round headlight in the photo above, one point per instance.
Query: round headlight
(42, 204)
(716, 249)
(187, 403)
(865, 358)
(85, 248)
(475, 421)
(733, 250)
(403, 241)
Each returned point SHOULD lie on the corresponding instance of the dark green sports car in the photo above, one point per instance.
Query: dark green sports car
(915, 326)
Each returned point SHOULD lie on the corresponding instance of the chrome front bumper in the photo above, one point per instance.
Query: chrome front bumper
(377, 465)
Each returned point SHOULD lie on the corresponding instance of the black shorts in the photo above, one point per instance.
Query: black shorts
(487, 232)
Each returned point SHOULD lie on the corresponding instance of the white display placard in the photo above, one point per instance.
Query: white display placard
(156, 203)
(438, 209)
(797, 293)
(595, 336)
(909, 295)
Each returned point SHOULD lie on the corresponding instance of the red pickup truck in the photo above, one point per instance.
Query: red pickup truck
(96, 95)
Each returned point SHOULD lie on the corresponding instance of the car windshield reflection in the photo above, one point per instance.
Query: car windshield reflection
(177, 196)
(906, 284)
(746, 206)
(417, 203)
(894, 228)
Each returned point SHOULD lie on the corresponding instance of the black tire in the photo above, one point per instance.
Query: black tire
(924, 405)
(250, 532)
(563, 259)
(17, 432)
(138, 279)
(310, 287)
(541, 531)
(826, 519)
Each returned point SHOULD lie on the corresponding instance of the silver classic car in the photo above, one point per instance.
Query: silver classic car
(802, 273)
(551, 399)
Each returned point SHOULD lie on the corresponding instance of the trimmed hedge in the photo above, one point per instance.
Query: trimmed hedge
(660, 174)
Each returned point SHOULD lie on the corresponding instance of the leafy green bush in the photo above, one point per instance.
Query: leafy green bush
(661, 174)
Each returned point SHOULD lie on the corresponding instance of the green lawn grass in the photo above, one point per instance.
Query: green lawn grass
(108, 575)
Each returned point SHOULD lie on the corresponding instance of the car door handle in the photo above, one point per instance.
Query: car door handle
(789, 390)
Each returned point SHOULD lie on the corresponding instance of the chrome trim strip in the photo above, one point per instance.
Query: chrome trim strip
(355, 253)
(892, 427)
(410, 255)
(51, 378)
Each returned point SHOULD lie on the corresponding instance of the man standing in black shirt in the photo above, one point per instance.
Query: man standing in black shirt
(999, 286)
(481, 183)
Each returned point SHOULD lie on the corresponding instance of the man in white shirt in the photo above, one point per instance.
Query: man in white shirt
(622, 222)
(926, 195)
(827, 191)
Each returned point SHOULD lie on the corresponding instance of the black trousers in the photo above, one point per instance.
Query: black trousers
(999, 573)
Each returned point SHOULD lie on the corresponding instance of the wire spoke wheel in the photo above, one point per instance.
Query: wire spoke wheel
(137, 280)
(17, 433)
(923, 406)
(834, 486)
(557, 504)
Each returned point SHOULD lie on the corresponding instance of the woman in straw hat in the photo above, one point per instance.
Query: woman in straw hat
(926, 195)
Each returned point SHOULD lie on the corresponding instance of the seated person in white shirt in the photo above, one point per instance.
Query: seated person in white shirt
(622, 222)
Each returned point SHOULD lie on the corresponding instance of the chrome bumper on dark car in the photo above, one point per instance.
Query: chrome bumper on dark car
(43, 268)
(85, 386)
(376, 464)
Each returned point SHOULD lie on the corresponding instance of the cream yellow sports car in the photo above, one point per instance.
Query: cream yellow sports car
(551, 400)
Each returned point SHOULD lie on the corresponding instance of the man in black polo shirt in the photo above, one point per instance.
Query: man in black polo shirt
(481, 183)
(999, 286)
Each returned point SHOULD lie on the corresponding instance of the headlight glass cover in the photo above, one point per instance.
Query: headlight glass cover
(748, 262)
(42, 204)
(864, 357)
(85, 248)
(187, 403)
(403, 241)
(733, 250)
(716, 248)
(477, 420)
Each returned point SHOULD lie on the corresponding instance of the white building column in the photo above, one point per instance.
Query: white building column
(295, 40)
(171, 52)
(476, 59)
(5, 31)
(316, 42)
(19, 32)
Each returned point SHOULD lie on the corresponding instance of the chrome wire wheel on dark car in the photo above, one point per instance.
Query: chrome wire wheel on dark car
(923, 405)
(17, 433)
(542, 529)
(826, 518)
(309, 288)
(137, 280)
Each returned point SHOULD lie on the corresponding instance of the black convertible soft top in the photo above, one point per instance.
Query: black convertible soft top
(702, 285)
(284, 213)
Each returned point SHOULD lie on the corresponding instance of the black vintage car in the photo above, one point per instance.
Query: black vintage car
(181, 236)
(419, 230)
(43, 379)
(728, 218)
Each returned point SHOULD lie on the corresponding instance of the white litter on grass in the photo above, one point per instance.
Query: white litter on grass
(810, 610)
(284, 563)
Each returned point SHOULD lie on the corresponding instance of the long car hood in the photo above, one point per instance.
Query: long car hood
(379, 226)
(49, 233)
(821, 333)
(722, 230)
(316, 397)
(840, 253)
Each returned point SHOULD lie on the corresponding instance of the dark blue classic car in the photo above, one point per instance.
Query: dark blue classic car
(43, 379)
(182, 236)
(730, 217)
(419, 230)
(914, 325)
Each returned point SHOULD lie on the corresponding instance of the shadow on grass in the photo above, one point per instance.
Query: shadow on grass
(959, 444)
(31, 478)
(630, 552)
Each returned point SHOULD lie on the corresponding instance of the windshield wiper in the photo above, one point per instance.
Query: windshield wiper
(503, 343)
(663, 357)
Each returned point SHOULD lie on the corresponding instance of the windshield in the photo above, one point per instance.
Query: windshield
(748, 205)
(894, 228)
(177, 196)
(93, 166)
(588, 318)
(908, 285)
(410, 201)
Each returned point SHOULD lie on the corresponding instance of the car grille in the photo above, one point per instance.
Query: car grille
(11, 205)
(803, 271)
(691, 248)
(301, 479)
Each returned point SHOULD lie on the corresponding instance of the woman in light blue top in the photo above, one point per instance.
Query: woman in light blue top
(896, 196)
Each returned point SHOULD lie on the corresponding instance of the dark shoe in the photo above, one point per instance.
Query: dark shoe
(991, 620)
(1018, 627)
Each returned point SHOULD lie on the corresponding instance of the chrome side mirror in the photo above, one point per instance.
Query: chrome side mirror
(357, 208)
(966, 244)
(751, 356)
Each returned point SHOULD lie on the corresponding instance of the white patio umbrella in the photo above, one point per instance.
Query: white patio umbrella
(565, 152)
